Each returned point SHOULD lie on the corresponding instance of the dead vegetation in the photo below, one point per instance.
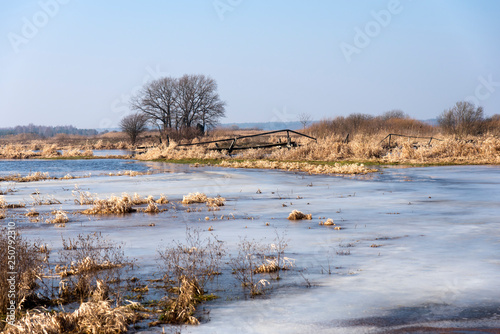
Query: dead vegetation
(112, 205)
(18, 279)
(86, 267)
(212, 202)
(297, 215)
(188, 267)
(90, 317)
(87, 264)
(194, 198)
(60, 218)
(5, 205)
(356, 138)
(115, 205)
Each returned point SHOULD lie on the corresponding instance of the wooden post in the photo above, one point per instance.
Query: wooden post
(288, 140)
(389, 140)
(231, 146)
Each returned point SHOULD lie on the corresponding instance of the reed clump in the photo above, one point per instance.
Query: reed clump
(194, 198)
(337, 168)
(297, 215)
(180, 309)
(21, 281)
(90, 317)
(152, 207)
(60, 218)
(328, 222)
(5, 205)
(162, 200)
(111, 205)
(188, 267)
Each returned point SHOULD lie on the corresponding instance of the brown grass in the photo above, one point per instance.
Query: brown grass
(60, 218)
(91, 317)
(180, 310)
(297, 215)
(112, 205)
(364, 144)
(5, 205)
(28, 268)
(194, 198)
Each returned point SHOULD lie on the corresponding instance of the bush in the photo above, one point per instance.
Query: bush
(463, 119)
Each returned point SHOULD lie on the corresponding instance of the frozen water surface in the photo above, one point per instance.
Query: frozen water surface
(421, 246)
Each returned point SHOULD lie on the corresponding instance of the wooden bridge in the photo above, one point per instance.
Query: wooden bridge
(231, 144)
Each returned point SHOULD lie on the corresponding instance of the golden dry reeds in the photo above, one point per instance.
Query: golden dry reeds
(181, 309)
(32, 213)
(60, 218)
(87, 264)
(77, 152)
(5, 205)
(162, 200)
(194, 198)
(328, 222)
(112, 205)
(297, 215)
(215, 202)
(310, 168)
(152, 208)
(91, 317)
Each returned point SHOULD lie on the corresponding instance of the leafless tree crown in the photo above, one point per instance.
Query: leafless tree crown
(180, 104)
(464, 118)
(133, 125)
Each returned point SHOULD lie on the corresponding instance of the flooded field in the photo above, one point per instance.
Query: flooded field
(416, 248)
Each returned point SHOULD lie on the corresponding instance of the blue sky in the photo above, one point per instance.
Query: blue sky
(78, 62)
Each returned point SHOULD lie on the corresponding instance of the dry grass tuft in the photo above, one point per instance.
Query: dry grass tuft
(112, 205)
(152, 208)
(90, 317)
(180, 310)
(328, 222)
(212, 202)
(162, 200)
(3, 215)
(32, 213)
(77, 152)
(215, 202)
(5, 205)
(84, 197)
(194, 198)
(60, 218)
(297, 215)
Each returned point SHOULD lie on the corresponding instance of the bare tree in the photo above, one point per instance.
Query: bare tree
(133, 125)
(304, 119)
(394, 114)
(156, 100)
(464, 118)
(181, 104)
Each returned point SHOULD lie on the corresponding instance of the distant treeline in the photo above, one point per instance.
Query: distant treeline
(46, 131)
